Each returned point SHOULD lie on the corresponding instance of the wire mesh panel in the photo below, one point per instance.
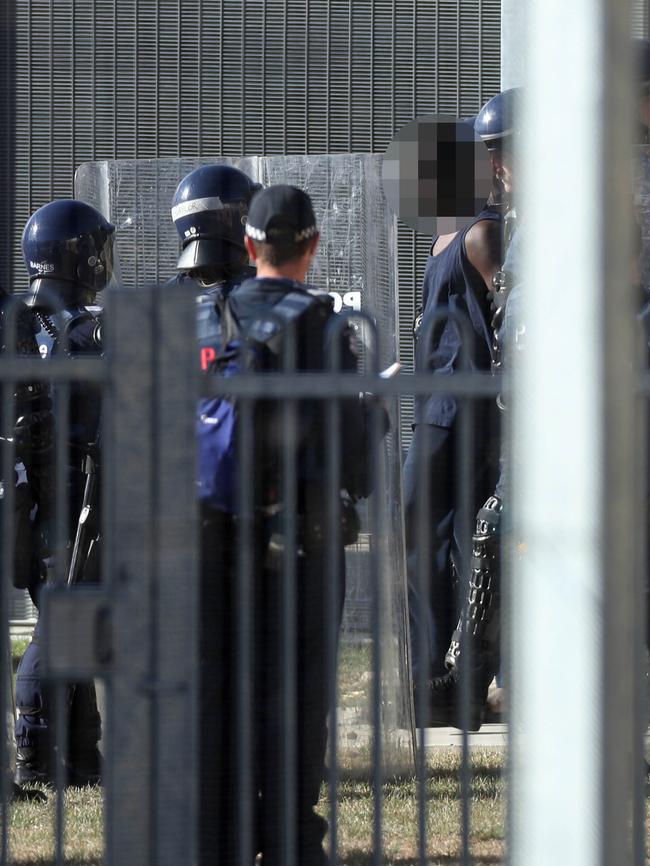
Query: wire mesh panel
(356, 263)
(139, 78)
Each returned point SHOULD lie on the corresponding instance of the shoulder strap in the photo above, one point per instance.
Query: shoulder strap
(294, 304)
(230, 329)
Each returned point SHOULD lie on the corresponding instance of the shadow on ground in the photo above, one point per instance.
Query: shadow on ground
(363, 858)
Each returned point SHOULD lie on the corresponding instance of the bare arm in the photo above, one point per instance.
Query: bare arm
(483, 244)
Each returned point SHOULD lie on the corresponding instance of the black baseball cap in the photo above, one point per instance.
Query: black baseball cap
(279, 214)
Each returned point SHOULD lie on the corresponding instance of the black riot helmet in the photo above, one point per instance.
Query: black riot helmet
(209, 210)
(68, 249)
(495, 122)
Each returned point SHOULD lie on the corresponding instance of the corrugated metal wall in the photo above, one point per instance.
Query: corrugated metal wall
(7, 75)
(640, 10)
(147, 78)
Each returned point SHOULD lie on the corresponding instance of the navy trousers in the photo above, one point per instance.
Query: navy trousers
(221, 730)
(34, 726)
(433, 603)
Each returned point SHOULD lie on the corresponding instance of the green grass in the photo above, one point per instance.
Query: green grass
(32, 824)
(31, 829)
(400, 836)
(18, 647)
(354, 666)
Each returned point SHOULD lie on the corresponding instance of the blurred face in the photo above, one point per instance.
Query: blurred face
(502, 165)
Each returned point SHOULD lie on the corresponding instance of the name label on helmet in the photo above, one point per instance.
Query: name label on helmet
(42, 267)
(196, 205)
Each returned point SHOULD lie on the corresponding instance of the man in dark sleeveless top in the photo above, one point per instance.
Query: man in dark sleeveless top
(455, 323)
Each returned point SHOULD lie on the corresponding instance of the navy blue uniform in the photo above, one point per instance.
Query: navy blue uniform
(451, 285)
(248, 302)
(208, 323)
(34, 737)
(32, 438)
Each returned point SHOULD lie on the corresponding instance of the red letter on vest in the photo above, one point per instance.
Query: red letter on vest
(208, 354)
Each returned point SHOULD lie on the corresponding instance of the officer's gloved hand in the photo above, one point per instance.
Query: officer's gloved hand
(34, 433)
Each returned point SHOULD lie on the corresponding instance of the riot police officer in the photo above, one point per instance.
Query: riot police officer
(281, 239)
(68, 252)
(27, 437)
(209, 211)
(457, 286)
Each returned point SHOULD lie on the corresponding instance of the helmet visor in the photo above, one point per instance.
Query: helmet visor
(209, 252)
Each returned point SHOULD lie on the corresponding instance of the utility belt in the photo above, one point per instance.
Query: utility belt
(312, 527)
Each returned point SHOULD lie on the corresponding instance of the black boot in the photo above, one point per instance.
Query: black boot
(85, 768)
(32, 766)
(443, 702)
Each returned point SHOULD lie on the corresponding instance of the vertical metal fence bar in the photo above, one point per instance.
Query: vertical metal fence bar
(376, 529)
(154, 680)
(423, 579)
(639, 627)
(60, 693)
(7, 575)
(332, 601)
(623, 497)
(64, 458)
(129, 798)
(571, 786)
(108, 459)
(288, 587)
(465, 464)
(176, 577)
(246, 557)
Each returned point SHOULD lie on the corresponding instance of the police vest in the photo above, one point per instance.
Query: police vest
(208, 325)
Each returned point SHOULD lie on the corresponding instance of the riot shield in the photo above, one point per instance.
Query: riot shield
(356, 262)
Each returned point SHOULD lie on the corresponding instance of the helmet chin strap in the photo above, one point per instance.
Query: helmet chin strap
(206, 284)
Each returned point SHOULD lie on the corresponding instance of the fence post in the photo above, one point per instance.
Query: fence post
(153, 580)
(575, 600)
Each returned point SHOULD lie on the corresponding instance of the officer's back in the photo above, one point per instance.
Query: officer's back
(281, 239)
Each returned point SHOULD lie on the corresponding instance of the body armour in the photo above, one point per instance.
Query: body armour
(452, 285)
(208, 316)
